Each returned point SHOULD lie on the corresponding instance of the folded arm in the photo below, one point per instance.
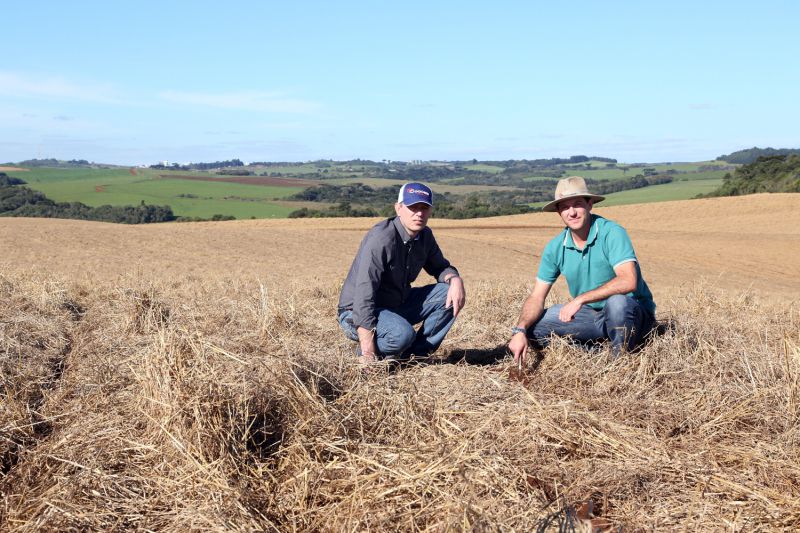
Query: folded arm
(623, 282)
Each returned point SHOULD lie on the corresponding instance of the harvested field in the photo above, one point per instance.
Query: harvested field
(733, 243)
(13, 169)
(192, 377)
(246, 180)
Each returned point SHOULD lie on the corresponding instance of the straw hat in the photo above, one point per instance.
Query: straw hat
(569, 188)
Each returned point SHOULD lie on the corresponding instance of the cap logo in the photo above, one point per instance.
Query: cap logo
(418, 191)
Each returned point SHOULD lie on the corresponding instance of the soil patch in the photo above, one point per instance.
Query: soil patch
(13, 169)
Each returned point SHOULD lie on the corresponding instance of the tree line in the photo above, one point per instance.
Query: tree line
(200, 166)
(777, 173)
(750, 155)
(478, 204)
(53, 163)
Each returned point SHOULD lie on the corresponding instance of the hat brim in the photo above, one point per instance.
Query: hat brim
(552, 207)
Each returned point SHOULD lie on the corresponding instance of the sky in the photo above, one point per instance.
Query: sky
(140, 82)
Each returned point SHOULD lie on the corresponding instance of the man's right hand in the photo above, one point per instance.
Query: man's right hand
(367, 355)
(519, 347)
(369, 349)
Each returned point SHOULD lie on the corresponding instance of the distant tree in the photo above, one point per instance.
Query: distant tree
(752, 154)
(777, 173)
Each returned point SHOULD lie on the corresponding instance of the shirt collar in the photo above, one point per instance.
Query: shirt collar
(594, 229)
(401, 230)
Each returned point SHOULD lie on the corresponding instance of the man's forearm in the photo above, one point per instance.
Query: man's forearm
(532, 310)
(616, 285)
(366, 339)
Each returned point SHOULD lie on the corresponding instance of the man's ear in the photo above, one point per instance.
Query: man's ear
(397, 208)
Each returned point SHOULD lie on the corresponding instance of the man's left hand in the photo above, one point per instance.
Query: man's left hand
(569, 310)
(456, 295)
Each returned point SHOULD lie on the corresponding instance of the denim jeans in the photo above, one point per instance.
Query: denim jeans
(395, 335)
(623, 321)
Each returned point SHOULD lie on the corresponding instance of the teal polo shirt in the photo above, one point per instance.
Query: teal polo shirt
(608, 246)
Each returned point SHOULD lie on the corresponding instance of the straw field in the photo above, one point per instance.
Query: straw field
(192, 377)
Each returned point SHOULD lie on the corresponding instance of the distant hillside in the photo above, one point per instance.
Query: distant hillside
(778, 173)
(743, 157)
(55, 163)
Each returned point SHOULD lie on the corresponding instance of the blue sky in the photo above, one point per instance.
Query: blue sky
(138, 82)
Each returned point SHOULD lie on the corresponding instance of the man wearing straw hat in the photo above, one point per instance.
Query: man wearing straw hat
(610, 299)
(378, 308)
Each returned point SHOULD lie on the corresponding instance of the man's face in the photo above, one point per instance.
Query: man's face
(413, 217)
(575, 212)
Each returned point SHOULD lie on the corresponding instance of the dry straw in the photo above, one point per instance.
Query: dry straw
(224, 406)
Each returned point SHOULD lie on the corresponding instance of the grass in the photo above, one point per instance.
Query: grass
(227, 405)
(677, 190)
(96, 187)
(481, 167)
(118, 186)
(689, 170)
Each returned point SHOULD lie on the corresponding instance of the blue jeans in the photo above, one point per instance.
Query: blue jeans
(623, 321)
(395, 335)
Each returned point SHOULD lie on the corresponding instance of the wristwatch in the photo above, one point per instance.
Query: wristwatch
(517, 329)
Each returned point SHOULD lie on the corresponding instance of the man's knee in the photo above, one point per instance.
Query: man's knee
(619, 308)
(547, 324)
(397, 339)
(438, 294)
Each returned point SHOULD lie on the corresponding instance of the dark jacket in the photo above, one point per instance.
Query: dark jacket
(386, 264)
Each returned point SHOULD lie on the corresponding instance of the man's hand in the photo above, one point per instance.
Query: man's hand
(456, 295)
(519, 347)
(569, 310)
(366, 341)
(623, 283)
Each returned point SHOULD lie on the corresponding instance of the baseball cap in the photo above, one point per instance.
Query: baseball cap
(414, 193)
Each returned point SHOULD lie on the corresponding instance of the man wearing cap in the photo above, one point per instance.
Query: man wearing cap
(610, 299)
(378, 308)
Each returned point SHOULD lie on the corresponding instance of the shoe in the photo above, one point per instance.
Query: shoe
(665, 326)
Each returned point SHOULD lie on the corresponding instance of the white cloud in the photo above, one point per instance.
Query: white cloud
(14, 84)
(244, 100)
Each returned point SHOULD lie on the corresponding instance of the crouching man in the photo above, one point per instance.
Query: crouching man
(378, 308)
(610, 299)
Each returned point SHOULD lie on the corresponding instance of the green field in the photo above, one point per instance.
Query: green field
(481, 167)
(322, 170)
(196, 198)
(677, 190)
(96, 187)
(690, 171)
